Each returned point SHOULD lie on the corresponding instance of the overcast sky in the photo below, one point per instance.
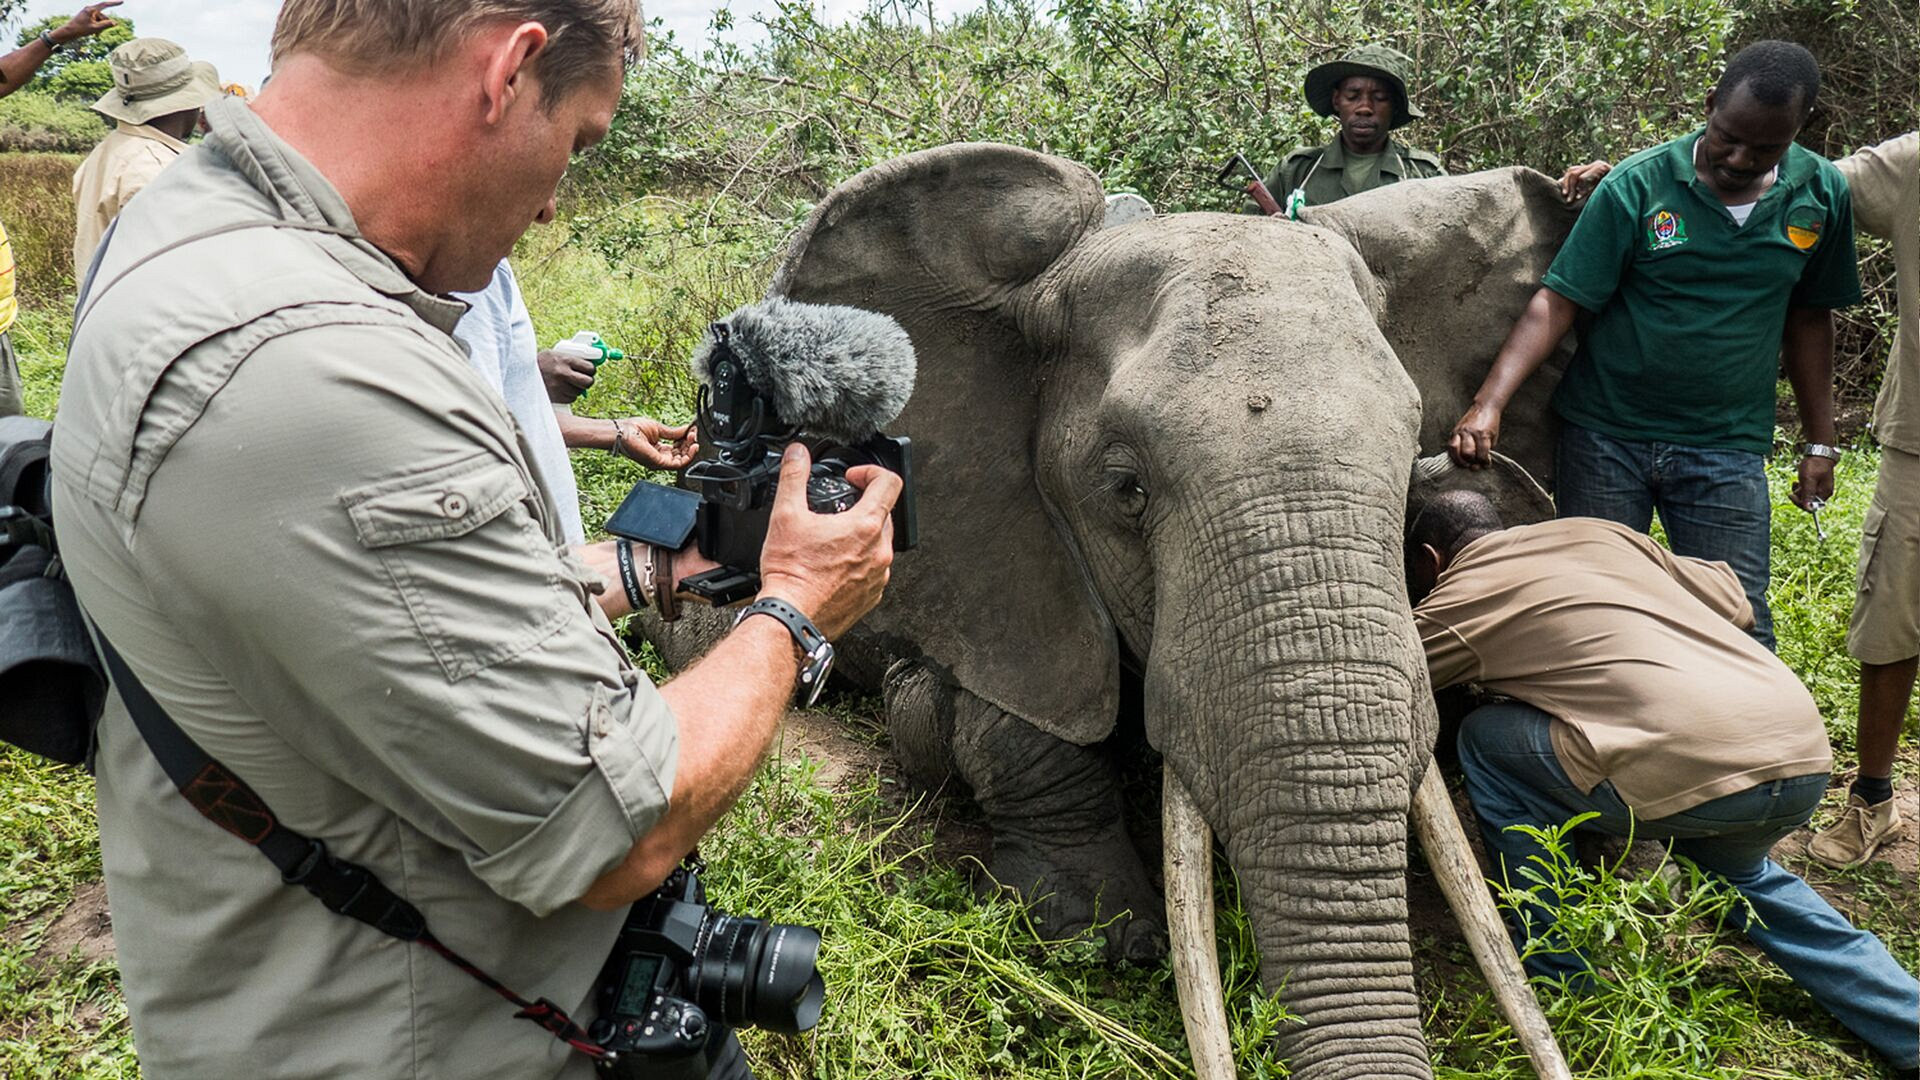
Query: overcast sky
(233, 34)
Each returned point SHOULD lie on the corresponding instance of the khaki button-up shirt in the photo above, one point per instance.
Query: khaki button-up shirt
(1886, 203)
(126, 161)
(1636, 652)
(313, 532)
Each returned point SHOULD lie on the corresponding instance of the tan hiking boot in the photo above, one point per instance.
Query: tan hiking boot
(1857, 835)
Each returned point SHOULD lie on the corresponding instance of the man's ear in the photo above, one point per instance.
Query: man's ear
(508, 74)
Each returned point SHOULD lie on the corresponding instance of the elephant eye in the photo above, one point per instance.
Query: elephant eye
(1129, 494)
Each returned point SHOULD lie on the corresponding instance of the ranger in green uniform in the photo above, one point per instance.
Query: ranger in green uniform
(1367, 90)
(1709, 263)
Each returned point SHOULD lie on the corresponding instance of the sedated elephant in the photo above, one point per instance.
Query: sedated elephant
(1176, 453)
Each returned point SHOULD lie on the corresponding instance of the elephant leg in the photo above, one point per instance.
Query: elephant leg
(1059, 837)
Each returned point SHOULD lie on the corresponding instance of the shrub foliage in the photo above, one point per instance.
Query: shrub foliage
(1155, 94)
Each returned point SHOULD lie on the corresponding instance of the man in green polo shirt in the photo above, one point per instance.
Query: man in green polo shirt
(1708, 262)
(1367, 90)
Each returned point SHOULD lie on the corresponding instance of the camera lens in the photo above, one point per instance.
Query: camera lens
(758, 973)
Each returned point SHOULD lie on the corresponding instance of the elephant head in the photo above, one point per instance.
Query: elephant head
(1186, 441)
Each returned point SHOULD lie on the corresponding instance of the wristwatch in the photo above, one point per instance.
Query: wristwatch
(1814, 449)
(816, 651)
(47, 40)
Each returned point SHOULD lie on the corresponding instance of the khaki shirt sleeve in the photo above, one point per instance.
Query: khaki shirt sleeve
(1878, 176)
(1712, 583)
(350, 535)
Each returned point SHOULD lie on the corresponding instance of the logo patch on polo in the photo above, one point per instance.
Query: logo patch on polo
(1803, 228)
(1665, 230)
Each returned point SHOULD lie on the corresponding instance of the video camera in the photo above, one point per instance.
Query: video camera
(772, 373)
(682, 973)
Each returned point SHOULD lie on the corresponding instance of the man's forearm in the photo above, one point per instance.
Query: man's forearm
(1533, 338)
(585, 432)
(1807, 354)
(19, 65)
(729, 705)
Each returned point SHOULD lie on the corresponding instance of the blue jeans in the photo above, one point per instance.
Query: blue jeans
(1713, 503)
(1514, 778)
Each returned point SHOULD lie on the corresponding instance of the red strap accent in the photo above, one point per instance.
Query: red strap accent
(230, 804)
(545, 1013)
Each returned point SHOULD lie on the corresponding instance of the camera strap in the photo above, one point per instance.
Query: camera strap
(344, 887)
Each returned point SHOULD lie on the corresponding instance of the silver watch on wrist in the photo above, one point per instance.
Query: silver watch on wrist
(1814, 449)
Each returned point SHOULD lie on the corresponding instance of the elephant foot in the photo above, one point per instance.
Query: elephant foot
(1071, 891)
(1059, 839)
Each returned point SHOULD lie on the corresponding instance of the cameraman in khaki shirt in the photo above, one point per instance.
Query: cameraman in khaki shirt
(1885, 632)
(316, 536)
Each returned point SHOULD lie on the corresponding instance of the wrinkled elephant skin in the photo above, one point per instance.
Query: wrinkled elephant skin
(1181, 444)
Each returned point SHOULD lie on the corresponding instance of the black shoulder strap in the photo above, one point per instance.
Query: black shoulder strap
(223, 798)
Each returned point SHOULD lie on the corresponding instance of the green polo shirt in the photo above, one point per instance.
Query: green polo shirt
(1690, 307)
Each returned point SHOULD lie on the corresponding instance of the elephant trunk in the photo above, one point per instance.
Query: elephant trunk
(1290, 719)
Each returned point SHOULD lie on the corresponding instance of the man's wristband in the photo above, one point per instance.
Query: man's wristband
(816, 652)
(629, 578)
(1814, 449)
(46, 39)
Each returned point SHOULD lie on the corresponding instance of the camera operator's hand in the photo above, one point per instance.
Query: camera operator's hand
(566, 378)
(833, 567)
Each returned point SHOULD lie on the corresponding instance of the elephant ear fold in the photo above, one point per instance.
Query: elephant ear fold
(1454, 261)
(1516, 496)
(951, 242)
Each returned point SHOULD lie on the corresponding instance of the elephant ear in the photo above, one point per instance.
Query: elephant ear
(1454, 261)
(950, 242)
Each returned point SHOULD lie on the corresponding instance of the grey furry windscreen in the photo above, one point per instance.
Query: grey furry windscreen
(838, 372)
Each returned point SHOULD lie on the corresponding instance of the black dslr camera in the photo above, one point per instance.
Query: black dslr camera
(681, 975)
(727, 496)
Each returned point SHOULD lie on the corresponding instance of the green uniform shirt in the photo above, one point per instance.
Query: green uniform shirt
(316, 535)
(1691, 307)
(1325, 171)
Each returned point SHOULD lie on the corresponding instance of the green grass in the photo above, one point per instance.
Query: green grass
(925, 977)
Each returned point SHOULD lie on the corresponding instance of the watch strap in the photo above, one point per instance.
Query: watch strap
(816, 650)
(1814, 449)
(664, 601)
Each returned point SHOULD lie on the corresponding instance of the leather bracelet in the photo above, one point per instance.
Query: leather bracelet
(630, 581)
(1814, 449)
(619, 447)
(663, 599)
(816, 652)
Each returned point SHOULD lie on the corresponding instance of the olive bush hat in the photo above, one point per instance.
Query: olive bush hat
(1388, 65)
(152, 77)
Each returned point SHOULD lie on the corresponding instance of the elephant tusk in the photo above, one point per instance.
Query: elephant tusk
(1196, 958)
(1460, 879)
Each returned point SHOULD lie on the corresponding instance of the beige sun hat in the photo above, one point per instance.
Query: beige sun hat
(152, 77)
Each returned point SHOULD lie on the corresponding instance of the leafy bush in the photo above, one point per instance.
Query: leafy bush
(36, 123)
(1154, 94)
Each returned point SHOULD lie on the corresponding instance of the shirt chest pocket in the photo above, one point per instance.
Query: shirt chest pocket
(466, 559)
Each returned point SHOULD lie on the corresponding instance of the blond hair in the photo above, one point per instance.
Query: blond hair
(374, 36)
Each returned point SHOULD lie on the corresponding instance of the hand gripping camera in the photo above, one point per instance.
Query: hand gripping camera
(681, 974)
(771, 373)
